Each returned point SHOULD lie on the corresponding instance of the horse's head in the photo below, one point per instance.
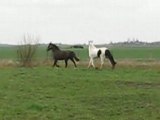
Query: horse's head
(90, 42)
(91, 45)
(49, 47)
(52, 47)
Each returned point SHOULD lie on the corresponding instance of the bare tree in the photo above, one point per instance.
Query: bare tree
(26, 50)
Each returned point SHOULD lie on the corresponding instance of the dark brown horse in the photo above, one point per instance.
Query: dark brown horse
(62, 55)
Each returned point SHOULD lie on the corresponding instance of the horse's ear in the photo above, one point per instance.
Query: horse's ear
(50, 43)
(90, 41)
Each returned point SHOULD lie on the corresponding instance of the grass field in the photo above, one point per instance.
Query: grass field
(140, 53)
(130, 92)
(43, 93)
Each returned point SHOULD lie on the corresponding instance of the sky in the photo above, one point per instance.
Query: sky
(78, 21)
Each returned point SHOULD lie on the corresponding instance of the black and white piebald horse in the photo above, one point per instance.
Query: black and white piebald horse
(101, 53)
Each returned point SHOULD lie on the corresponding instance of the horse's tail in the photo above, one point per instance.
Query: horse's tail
(110, 57)
(75, 57)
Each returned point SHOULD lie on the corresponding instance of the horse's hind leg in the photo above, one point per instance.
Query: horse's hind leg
(57, 65)
(73, 62)
(102, 62)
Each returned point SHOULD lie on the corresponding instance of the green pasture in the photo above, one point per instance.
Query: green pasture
(135, 53)
(129, 92)
(45, 93)
(8, 52)
(138, 53)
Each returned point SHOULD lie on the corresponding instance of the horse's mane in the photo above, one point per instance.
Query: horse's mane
(55, 46)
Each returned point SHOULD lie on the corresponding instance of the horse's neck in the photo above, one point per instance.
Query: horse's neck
(55, 50)
(92, 47)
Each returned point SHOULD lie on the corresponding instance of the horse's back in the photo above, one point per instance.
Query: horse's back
(103, 49)
(93, 53)
(66, 54)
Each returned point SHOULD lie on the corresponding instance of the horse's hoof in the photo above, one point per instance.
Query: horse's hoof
(113, 67)
(96, 68)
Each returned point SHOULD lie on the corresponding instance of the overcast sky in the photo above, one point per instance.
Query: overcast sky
(77, 21)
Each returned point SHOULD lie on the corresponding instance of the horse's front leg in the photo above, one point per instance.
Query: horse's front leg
(55, 63)
(66, 63)
(90, 61)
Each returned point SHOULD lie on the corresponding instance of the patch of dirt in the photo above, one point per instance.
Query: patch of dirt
(138, 84)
